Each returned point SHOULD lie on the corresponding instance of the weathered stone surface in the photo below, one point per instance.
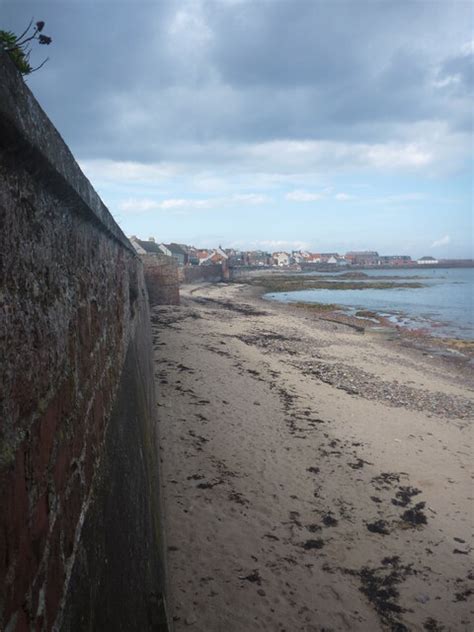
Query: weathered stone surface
(75, 348)
(161, 277)
(196, 274)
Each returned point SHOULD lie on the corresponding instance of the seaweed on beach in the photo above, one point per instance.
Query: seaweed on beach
(291, 283)
(253, 577)
(380, 586)
(431, 625)
(379, 526)
(404, 495)
(385, 480)
(313, 544)
(415, 515)
(329, 521)
(245, 310)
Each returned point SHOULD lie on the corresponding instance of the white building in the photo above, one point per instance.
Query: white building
(281, 258)
(427, 261)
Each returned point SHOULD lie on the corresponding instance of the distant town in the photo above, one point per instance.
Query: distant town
(186, 255)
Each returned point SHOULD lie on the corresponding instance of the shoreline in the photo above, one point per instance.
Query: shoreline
(456, 351)
(454, 338)
(313, 476)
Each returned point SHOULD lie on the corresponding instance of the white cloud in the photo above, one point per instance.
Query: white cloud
(270, 244)
(343, 197)
(252, 198)
(303, 196)
(132, 205)
(143, 205)
(127, 171)
(444, 241)
(395, 156)
(447, 81)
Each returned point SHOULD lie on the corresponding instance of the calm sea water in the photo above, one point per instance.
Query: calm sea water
(444, 306)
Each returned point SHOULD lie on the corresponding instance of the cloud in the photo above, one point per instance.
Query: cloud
(303, 196)
(343, 197)
(207, 73)
(193, 106)
(456, 72)
(132, 205)
(127, 171)
(143, 205)
(444, 241)
(271, 245)
(251, 198)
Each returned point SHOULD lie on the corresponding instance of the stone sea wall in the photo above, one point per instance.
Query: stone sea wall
(162, 280)
(80, 516)
(210, 274)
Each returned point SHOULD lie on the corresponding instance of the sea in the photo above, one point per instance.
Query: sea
(442, 307)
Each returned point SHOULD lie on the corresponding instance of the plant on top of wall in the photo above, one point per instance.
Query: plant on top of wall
(19, 48)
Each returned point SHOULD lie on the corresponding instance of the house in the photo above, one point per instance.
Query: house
(202, 254)
(427, 261)
(394, 260)
(216, 256)
(176, 251)
(193, 256)
(298, 257)
(336, 261)
(281, 258)
(142, 247)
(362, 258)
(258, 258)
(235, 257)
(325, 257)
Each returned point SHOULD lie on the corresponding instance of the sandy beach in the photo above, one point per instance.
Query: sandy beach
(314, 477)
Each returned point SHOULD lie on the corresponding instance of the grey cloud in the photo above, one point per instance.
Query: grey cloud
(147, 81)
(461, 69)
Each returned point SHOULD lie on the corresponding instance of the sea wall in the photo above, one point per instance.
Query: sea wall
(79, 525)
(210, 274)
(161, 278)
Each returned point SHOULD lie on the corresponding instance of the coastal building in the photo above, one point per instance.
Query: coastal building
(300, 256)
(427, 261)
(362, 258)
(337, 261)
(216, 256)
(394, 260)
(235, 257)
(328, 257)
(143, 247)
(281, 259)
(176, 251)
(193, 259)
(258, 258)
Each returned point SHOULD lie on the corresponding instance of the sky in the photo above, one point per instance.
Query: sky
(268, 124)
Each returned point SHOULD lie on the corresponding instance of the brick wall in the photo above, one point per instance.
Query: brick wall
(74, 342)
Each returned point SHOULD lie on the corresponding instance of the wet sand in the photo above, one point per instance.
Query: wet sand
(314, 477)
